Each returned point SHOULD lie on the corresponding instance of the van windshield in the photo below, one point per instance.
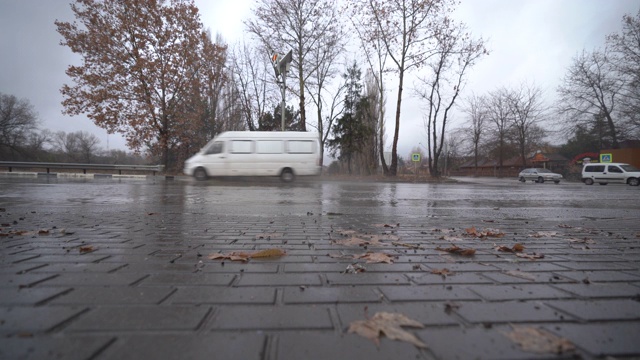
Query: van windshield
(629, 168)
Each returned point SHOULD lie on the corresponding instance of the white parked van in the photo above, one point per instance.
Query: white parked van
(257, 153)
(604, 173)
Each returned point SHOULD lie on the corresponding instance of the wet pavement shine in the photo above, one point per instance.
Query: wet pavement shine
(485, 268)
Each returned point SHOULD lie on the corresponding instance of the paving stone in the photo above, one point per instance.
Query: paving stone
(23, 280)
(518, 292)
(454, 278)
(295, 346)
(599, 276)
(223, 295)
(27, 321)
(428, 293)
(194, 279)
(508, 312)
(279, 280)
(201, 346)
(428, 313)
(599, 310)
(73, 267)
(601, 290)
(366, 279)
(325, 294)
(42, 347)
(29, 296)
(602, 339)
(113, 295)
(260, 317)
(140, 318)
(93, 279)
(521, 277)
(68, 258)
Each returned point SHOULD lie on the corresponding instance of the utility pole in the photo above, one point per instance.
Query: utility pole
(281, 66)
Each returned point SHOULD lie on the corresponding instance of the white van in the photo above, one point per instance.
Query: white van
(257, 153)
(604, 173)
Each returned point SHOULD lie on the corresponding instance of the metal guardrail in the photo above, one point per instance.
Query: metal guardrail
(84, 167)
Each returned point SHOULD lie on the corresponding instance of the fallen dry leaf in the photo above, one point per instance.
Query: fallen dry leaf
(389, 325)
(565, 226)
(540, 234)
(386, 226)
(515, 248)
(372, 257)
(43, 232)
(245, 256)
(450, 238)
(444, 272)
(472, 231)
(411, 246)
(520, 274)
(458, 250)
(539, 341)
(533, 256)
(85, 249)
(581, 241)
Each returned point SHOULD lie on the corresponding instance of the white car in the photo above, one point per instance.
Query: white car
(603, 174)
(539, 175)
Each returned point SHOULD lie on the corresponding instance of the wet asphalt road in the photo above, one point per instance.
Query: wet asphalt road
(467, 198)
(118, 269)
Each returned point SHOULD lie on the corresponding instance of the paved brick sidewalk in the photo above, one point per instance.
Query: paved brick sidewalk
(96, 279)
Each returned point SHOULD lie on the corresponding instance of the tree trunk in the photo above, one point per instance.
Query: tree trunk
(393, 171)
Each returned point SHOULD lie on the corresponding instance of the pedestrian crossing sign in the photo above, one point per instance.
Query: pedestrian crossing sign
(415, 157)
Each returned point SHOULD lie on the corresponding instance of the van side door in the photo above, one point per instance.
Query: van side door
(615, 174)
(215, 159)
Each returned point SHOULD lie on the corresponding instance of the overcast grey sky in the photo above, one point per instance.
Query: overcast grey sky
(529, 40)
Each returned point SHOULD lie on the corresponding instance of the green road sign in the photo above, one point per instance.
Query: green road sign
(415, 157)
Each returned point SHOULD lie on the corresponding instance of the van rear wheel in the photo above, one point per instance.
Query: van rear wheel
(588, 181)
(286, 175)
(540, 180)
(200, 174)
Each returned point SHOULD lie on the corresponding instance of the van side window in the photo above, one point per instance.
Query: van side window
(300, 147)
(595, 168)
(241, 146)
(215, 148)
(614, 169)
(269, 147)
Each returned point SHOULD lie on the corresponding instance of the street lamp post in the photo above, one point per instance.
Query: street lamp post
(281, 66)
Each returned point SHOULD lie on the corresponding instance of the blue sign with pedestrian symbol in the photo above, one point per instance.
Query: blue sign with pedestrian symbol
(606, 158)
(415, 157)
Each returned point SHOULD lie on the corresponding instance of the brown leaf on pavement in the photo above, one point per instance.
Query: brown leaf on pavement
(458, 250)
(372, 257)
(515, 248)
(540, 234)
(268, 235)
(411, 246)
(581, 241)
(389, 325)
(85, 249)
(533, 256)
(444, 272)
(539, 341)
(245, 256)
(520, 274)
(472, 231)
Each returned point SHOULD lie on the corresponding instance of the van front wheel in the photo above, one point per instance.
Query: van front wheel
(286, 175)
(200, 174)
(634, 182)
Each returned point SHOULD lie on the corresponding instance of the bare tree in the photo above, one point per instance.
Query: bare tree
(477, 124)
(591, 89)
(407, 30)
(456, 53)
(17, 120)
(301, 26)
(376, 56)
(251, 69)
(625, 55)
(499, 115)
(528, 111)
(79, 146)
